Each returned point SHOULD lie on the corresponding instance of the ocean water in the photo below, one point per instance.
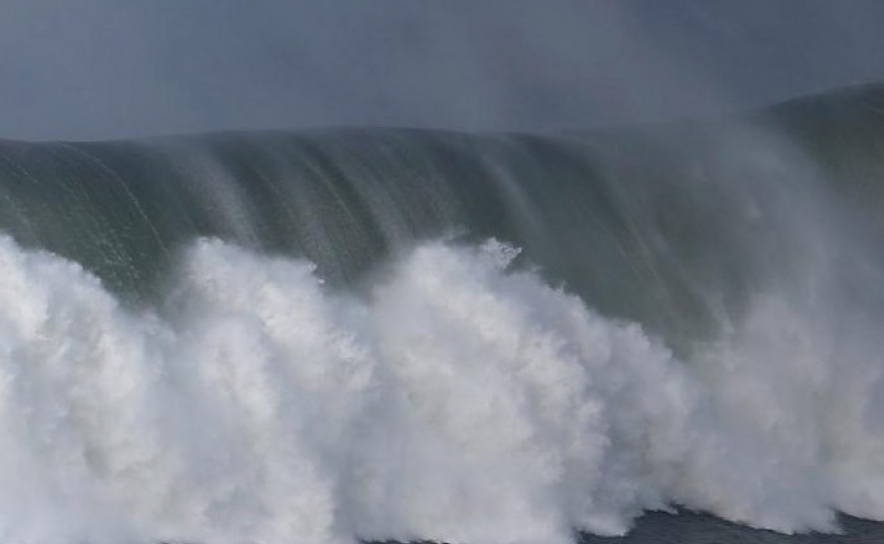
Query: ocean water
(665, 334)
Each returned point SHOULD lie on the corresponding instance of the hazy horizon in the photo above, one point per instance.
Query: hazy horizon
(109, 69)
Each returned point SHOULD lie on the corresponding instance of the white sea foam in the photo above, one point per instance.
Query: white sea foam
(460, 401)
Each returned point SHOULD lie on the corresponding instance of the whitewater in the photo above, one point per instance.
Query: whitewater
(393, 335)
(460, 401)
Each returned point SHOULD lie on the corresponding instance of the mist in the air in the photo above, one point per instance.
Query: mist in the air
(108, 68)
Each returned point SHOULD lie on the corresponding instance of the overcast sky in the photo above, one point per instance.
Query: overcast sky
(85, 69)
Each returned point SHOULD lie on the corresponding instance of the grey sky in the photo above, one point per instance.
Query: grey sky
(112, 68)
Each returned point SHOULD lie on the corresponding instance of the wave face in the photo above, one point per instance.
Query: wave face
(391, 334)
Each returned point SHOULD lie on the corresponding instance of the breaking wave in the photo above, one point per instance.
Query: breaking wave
(339, 336)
